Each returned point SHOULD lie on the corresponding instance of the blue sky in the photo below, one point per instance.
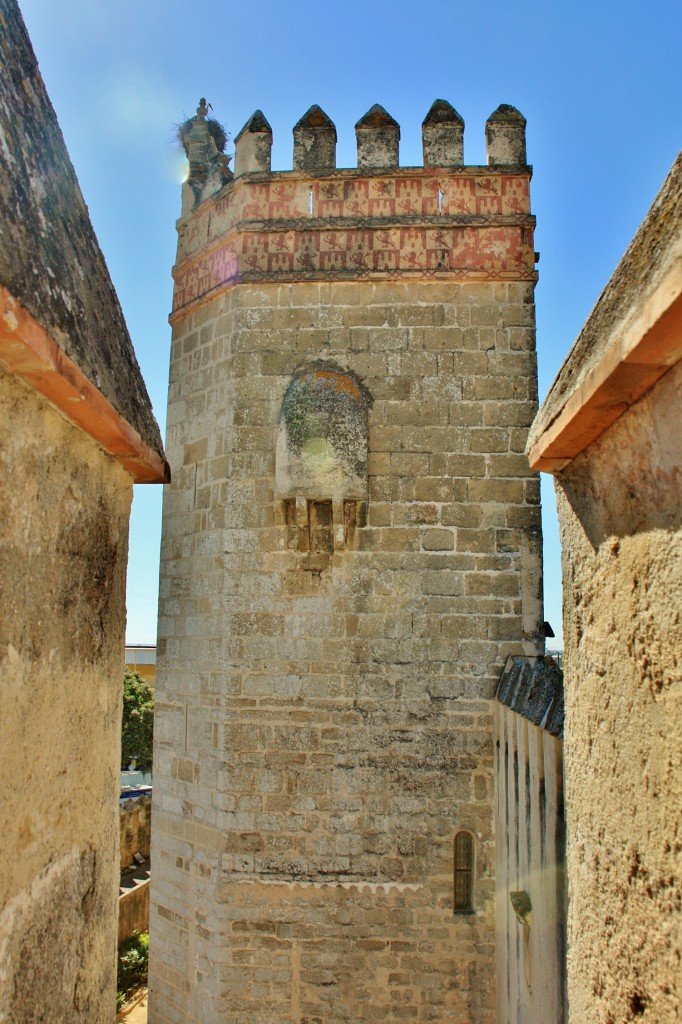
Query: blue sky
(600, 84)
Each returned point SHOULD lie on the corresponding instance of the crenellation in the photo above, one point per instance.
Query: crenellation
(253, 146)
(443, 136)
(314, 142)
(505, 135)
(378, 137)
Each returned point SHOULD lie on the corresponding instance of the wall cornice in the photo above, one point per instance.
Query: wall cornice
(29, 352)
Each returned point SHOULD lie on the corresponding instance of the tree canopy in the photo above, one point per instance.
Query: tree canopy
(137, 732)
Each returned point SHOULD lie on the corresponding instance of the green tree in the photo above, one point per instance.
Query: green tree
(138, 722)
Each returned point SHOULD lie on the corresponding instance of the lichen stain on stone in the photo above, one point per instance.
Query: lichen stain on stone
(88, 546)
(48, 954)
(338, 381)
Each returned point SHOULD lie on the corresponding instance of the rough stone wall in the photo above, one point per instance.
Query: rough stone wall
(134, 910)
(135, 827)
(50, 259)
(619, 509)
(63, 550)
(324, 723)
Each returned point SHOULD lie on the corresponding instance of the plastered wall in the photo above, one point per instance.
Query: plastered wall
(531, 936)
(63, 548)
(619, 508)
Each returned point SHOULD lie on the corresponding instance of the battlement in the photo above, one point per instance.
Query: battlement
(377, 220)
(378, 139)
(377, 136)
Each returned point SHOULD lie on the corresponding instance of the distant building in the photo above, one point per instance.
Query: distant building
(76, 430)
(531, 842)
(141, 658)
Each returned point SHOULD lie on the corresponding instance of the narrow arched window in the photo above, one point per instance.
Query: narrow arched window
(464, 873)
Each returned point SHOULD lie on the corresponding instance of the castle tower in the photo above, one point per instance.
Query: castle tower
(351, 548)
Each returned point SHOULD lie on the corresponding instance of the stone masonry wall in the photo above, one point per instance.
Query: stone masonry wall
(335, 725)
(63, 550)
(324, 724)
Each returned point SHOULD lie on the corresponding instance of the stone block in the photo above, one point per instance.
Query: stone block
(438, 540)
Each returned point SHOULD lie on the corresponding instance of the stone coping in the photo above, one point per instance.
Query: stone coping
(50, 260)
(29, 352)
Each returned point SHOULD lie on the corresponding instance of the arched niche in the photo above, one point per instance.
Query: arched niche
(321, 456)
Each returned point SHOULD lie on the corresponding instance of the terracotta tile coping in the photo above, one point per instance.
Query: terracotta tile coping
(649, 344)
(27, 350)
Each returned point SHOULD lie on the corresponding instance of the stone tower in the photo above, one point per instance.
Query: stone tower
(351, 549)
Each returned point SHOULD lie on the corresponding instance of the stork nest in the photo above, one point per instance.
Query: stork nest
(218, 133)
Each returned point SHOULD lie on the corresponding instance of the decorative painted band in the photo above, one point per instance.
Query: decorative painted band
(482, 253)
(413, 193)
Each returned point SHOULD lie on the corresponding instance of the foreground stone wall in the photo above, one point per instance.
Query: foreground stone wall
(76, 428)
(63, 551)
(610, 431)
(619, 510)
(350, 550)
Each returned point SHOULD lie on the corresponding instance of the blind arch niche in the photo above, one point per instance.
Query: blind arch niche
(322, 453)
(322, 438)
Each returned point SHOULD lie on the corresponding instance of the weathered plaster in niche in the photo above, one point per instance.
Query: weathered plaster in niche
(323, 436)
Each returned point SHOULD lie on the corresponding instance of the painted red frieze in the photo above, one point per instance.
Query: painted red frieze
(481, 253)
(474, 191)
(350, 227)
